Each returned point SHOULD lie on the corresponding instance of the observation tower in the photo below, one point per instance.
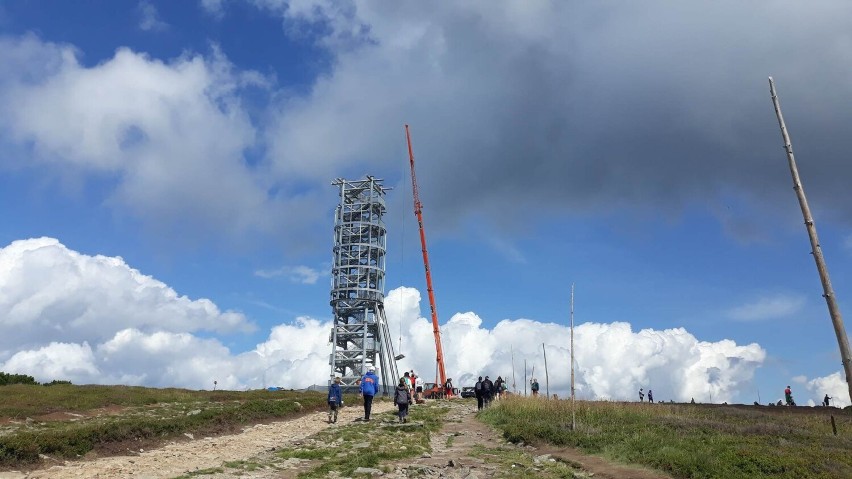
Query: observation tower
(360, 337)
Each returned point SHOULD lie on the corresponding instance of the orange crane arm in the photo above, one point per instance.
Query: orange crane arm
(418, 211)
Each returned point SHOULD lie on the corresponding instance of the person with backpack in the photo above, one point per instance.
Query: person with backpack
(369, 388)
(480, 398)
(788, 396)
(487, 391)
(335, 400)
(534, 386)
(498, 387)
(402, 399)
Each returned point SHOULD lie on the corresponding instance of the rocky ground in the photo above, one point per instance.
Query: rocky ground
(464, 448)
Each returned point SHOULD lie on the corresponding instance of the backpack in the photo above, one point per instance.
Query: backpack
(478, 386)
(401, 396)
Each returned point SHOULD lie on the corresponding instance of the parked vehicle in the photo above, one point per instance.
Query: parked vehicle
(468, 392)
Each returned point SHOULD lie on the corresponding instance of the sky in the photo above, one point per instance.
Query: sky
(167, 208)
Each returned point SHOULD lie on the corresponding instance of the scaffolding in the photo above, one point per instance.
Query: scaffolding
(360, 337)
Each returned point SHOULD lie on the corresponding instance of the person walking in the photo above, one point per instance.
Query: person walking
(650, 396)
(448, 387)
(369, 388)
(788, 396)
(641, 395)
(826, 401)
(402, 399)
(498, 386)
(534, 386)
(488, 391)
(480, 397)
(335, 400)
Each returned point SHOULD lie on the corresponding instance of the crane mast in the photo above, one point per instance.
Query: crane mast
(418, 211)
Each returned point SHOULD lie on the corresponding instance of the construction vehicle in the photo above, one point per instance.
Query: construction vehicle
(441, 374)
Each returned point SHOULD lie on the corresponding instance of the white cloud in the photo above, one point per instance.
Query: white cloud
(171, 136)
(49, 293)
(142, 333)
(771, 307)
(149, 18)
(834, 385)
(297, 274)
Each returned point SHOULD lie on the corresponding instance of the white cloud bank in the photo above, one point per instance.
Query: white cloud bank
(94, 319)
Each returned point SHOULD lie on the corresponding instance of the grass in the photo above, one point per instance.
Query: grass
(689, 441)
(149, 415)
(344, 449)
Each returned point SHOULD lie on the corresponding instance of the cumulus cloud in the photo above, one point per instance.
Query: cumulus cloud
(770, 307)
(149, 17)
(834, 385)
(49, 293)
(297, 274)
(93, 319)
(171, 137)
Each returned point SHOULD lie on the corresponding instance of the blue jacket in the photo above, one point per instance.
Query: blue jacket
(370, 384)
(334, 394)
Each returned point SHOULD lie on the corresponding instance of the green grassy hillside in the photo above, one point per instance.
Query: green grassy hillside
(690, 440)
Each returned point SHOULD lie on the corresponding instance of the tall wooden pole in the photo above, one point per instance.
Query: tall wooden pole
(546, 377)
(573, 416)
(525, 378)
(816, 250)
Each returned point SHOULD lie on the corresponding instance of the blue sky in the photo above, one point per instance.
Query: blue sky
(632, 150)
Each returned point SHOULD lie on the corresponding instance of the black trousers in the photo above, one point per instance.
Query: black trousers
(368, 406)
(479, 401)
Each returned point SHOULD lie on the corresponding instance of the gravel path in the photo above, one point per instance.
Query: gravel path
(179, 458)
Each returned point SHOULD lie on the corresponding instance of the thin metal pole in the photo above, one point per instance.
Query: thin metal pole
(514, 384)
(573, 415)
(816, 250)
(546, 377)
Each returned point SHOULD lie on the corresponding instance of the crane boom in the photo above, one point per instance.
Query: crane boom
(418, 211)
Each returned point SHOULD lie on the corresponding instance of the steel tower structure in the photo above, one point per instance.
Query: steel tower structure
(360, 336)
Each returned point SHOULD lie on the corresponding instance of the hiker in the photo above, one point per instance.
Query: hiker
(413, 378)
(498, 385)
(335, 400)
(448, 387)
(641, 395)
(650, 396)
(487, 391)
(788, 396)
(369, 388)
(407, 380)
(693, 402)
(480, 397)
(826, 400)
(402, 399)
(534, 386)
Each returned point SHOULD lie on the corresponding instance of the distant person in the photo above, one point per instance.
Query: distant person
(498, 386)
(641, 395)
(487, 391)
(826, 400)
(413, 380)
(480, 396)
(788, 396)
(650, 396)
(335, 400)
(448, 387)
(693, 401)
(402, 399)
(407, 380)
(534, 386)
(369, 388)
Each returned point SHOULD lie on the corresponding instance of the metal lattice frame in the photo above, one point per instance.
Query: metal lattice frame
(360, 337)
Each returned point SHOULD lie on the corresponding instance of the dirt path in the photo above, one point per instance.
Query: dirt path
(179, 458)
(466, 448)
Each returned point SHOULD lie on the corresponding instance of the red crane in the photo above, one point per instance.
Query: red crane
(418, 211)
